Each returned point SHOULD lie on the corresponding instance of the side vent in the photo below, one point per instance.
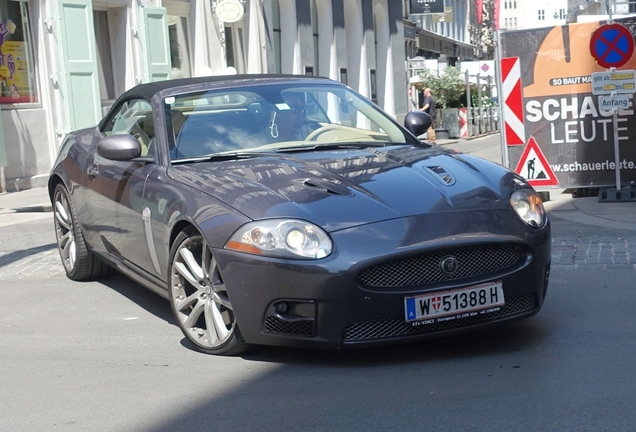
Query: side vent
(442, 175)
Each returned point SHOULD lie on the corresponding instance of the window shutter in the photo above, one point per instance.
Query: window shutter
(156, 44)
(77, 76)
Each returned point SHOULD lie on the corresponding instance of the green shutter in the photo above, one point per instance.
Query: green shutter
(156, 44)
(77, 77)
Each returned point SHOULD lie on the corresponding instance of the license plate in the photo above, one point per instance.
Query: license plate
(455, 304)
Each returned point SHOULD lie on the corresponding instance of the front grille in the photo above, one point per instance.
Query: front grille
(301, 327)
(423, 269)
(392, 327)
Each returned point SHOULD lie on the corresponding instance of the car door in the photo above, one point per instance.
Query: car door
(114, 189)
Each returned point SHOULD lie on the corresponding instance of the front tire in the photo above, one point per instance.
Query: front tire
(79, 262)
(199, 299)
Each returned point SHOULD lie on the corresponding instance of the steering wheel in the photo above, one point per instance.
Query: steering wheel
(313, 136)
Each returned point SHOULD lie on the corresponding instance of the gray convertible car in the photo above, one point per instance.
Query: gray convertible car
(289, 210)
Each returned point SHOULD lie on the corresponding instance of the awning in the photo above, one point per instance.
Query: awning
(436, 43)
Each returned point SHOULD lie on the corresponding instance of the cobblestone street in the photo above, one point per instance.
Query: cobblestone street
(32, 264)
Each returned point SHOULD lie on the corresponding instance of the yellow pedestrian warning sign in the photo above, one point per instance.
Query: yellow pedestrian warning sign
(534, 167)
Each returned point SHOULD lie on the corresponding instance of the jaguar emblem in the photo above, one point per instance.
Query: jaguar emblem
(448, 265)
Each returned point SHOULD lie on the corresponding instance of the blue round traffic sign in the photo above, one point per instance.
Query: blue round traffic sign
(612, 45)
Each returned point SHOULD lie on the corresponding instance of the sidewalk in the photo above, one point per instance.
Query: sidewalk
(586, 210)
(34, 200)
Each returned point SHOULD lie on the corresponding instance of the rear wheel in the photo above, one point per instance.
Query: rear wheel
(199, 298)
(79, 262)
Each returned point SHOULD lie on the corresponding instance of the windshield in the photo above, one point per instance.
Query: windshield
(270, 118)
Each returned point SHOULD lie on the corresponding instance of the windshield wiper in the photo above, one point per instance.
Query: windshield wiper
(220, 157)
(330, 146)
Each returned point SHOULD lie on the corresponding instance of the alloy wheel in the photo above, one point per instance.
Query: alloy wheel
(65, 230)
(199, 297)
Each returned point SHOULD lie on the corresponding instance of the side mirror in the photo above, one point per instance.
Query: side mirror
(119, 147)
(417, 122)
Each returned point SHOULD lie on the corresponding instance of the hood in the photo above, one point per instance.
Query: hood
(338, 189)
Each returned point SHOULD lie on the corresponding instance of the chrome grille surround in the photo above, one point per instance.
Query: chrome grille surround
(425, 269)
(395, 327)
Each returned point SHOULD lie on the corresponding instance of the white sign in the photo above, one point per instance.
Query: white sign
(229, 11)
(605, 83)
(608, 103)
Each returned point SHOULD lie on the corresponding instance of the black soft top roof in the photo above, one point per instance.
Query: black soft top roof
(147, 91)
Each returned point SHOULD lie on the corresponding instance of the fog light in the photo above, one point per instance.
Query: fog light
(282, 308)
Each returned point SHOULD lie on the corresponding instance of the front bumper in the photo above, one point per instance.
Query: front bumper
(322, 303)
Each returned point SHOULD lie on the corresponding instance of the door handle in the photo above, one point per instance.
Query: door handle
(92, 171)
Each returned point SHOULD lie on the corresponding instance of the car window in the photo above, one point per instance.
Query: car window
(272, 117)
(135, 117)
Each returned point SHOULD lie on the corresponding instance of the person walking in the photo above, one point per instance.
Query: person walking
(430, 106)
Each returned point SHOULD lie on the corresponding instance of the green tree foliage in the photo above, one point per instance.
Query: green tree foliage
(447, 86)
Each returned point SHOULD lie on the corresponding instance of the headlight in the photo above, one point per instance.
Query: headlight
(529, 207)
(285, 238)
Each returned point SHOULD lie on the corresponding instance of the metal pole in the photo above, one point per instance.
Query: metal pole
(489, 109)
(481, 105)
(617, 159)
(468, 106)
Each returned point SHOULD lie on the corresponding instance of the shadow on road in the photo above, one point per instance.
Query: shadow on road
(500, 339)
(12, 257)
(141, 296)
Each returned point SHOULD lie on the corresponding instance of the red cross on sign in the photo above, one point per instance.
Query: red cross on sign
(612, 45)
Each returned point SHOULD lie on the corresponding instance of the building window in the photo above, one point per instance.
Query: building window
(179, 46)
(104, 60)
(234, 44)
(314, 27)
(515, 24)
(505, 5)
(309, 70)
(514, 4)
(506, 22)
(541, 15)
(277, 38)
(373, 83)
(343, 76)
(17, 77)
(562, 14)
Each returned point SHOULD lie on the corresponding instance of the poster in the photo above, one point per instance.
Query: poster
(16, 74)
(571, 128)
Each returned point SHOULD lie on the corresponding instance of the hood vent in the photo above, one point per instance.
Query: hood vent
(442, 175)
(326, 187)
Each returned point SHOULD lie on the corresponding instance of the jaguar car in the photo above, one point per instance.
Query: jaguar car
(291, 211)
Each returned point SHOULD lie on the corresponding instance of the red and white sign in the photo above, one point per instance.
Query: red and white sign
(463, 123)
(534, 167)
(513, 101)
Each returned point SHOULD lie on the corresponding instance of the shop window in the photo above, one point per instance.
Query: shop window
(17, 75)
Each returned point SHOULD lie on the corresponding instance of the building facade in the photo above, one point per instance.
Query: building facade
(525, 14)
(446, 36)
(64, 62)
